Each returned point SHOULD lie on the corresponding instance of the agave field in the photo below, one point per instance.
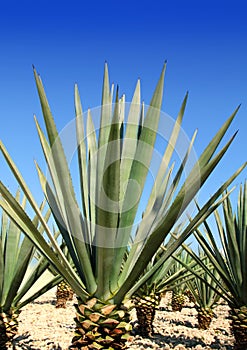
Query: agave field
(119, 240)
(172, 329)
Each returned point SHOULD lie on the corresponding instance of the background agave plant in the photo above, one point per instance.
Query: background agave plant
(64, 293)
(147, 298)
(97, 232)
(205, 293)
(229, 260)
(179, 287)
(22, 272)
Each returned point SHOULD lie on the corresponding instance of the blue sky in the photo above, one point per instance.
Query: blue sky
(205, 44)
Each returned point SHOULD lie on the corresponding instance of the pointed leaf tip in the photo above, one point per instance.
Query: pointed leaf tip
(237, 109)
(106, 66)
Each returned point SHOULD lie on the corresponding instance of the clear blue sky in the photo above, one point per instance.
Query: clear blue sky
(205, 43)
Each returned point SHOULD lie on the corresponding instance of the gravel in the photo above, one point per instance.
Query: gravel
(42, 326)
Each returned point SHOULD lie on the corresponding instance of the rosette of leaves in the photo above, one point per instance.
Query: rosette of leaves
(98, 230)
(147, 298)
(227, 252)
(22, 272)
(179, 288)
(205, 294)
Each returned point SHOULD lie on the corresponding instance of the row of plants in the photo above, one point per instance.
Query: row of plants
(105, 257)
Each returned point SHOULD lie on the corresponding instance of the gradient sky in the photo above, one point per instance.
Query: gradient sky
(204, 42)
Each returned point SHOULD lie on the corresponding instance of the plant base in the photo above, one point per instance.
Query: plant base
(204, 317)
(100, 326)
(178, 301)
(8, 329)
(238, 318)
(145, 312)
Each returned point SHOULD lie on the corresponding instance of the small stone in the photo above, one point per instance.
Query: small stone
(180, 347)
(198, 347)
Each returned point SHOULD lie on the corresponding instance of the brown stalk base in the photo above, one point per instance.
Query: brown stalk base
(61, 303)
(145, 312)
(239, 327)
(100, 326)
(178, 301)
(204, 317)
(63, 294)
(8, 329)
(190, 296)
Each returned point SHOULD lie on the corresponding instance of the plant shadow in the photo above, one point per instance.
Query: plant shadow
(171, 340)
(23, 341)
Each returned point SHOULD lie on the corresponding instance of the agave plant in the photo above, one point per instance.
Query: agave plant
(64, 293)
(179, 287)
(147, 298)
(97, 231)
(21, 274)
(205, 293)
(229, 260)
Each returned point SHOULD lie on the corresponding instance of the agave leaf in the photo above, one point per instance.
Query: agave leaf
(143, 156)
(143, 230)
(4, 224)
(205, 211)
(26, 252)
(52, 169)
(150, 220)
(167, 155)
(130, 138)
(82, 161)
(11, 259)
(28, 195)
(232, 270)
(188, 191)
(205, 290)
(105, 122)
(223, 266)
(242, 224)
(139, 169)
(12, 241)
(174, 186)
(212, 146)
(34, 270)
(108, 210)
(215, 282)
(216, 259)
(18, 215)
(14, 278)
(92, 168)
(47, 285)
(127, 156)
(232, 241)
(37, 269)
(1, 269)
(68, 238)
(75, 221)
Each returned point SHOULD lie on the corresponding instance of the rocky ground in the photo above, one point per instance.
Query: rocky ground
(42, 326)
